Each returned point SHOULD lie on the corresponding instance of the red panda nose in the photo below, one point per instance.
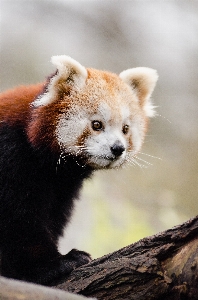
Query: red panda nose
(117, 149)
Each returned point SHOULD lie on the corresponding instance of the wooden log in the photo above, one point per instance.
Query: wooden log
(164, 266)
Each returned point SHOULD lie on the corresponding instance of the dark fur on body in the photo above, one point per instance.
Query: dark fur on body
(52, 136)
(36, 200)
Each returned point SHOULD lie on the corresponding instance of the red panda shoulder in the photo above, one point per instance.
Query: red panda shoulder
(15, 103)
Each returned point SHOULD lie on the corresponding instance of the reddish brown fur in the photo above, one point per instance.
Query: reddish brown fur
(15, 110)
(38, 186)
(14, 104)
(82, 138)
(44, 118)
(41, 121)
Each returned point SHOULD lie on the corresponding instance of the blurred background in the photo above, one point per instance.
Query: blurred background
(120, 207)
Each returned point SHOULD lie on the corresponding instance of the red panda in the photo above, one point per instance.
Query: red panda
(54, 135)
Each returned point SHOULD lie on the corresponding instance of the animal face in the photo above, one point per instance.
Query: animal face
(102, 116)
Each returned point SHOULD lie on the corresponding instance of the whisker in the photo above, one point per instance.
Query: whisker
(149, 155)
(133, 161)
(146, 162)
(158, 115)
(139, 164)
(130, 162)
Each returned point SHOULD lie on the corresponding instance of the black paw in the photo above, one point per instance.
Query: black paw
(78, 258)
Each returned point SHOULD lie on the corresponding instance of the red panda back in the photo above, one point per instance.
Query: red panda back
(14, 103)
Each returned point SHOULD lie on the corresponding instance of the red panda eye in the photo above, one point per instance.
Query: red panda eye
(125, 129)
(97, 125)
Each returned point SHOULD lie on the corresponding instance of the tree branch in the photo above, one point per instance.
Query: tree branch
(164, 266)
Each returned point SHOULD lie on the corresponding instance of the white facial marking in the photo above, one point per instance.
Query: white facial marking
(114, 105)
(100, 148)
(70, 127)
(136, 137)
(97, 145)
(149, 109)
(105, 112)
(125, 112)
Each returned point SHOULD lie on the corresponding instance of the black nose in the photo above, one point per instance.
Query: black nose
(117, 149)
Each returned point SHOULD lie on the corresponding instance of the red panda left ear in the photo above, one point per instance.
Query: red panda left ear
(69, 72)
(142, 81)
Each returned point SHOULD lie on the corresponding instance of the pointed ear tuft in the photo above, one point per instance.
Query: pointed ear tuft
(142, 81)
(70, 74)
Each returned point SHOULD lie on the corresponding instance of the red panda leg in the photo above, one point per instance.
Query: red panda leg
(46, 271)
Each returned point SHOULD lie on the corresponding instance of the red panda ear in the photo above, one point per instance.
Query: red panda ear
(142, 81)
(69, 71)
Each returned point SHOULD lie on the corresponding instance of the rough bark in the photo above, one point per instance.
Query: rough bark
(164, 266)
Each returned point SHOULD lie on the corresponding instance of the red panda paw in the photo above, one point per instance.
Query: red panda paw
(78, 258)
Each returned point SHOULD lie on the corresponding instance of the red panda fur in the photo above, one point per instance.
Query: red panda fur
(53, 135)
(15, 103)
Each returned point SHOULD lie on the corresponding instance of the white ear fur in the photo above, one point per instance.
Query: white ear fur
(70, 71)
(67, 66)
(142, 81)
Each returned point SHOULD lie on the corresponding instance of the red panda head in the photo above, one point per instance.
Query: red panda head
(98, 116)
